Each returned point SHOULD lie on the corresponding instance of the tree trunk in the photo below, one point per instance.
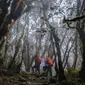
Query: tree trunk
(82, 38)
(61, 69)
(76, 49)
(12, 62)
(53, 45)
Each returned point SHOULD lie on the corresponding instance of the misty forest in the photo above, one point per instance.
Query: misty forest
(42, 42)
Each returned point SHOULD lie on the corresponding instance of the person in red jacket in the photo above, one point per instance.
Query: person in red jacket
(37, 64)
(48, 66)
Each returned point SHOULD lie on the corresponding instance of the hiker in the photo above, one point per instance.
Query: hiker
(37, 64)
(48, 65)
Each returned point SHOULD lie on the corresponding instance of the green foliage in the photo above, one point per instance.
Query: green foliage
(73, 70)
(24, 74)
(25, 37)
(51, 84)
(0, 53)
(72, 73)
(72, 76)
(44, 74)
(69, 82)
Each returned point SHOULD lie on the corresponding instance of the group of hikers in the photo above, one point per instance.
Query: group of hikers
(47, 64)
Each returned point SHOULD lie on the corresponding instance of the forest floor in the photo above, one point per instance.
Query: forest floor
(26, 78)
(23, 78)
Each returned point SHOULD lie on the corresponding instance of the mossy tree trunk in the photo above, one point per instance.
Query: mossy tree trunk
(82, 38)
(80, 29)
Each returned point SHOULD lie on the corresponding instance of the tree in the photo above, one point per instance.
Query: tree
(79, 28)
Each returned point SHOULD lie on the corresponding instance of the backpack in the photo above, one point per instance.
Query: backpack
(49, 61)
(39, 59)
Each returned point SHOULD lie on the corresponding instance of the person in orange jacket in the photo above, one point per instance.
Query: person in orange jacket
(37, 64)
(48, 65)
